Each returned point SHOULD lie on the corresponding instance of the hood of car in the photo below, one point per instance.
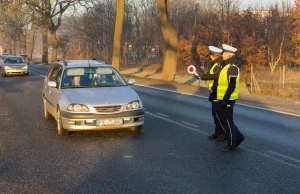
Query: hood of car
(101, 95)
(15, 64)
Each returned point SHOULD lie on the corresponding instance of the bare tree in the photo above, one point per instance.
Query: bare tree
(171, 40)
(118, 34)
(52, 11)
(276, 34)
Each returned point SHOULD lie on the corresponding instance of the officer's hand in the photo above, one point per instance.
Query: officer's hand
(225, 103)
(197, 77)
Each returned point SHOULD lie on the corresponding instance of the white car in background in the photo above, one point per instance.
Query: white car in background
(14, 65)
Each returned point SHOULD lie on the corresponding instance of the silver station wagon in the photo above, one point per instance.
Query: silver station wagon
(90, 95)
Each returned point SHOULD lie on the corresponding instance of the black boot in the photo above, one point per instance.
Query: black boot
(228, 149)
(213, 136)
(240, 141)
(221, 138)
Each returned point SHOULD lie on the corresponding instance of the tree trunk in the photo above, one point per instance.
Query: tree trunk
(118, 34)
(54, 45)
(24, 42)
(31, 42)
(171, 41)
(20, 45)
(15, 46)
(45, 43)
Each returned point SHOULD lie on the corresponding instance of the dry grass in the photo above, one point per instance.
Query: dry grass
(152, 69)
(271, 83)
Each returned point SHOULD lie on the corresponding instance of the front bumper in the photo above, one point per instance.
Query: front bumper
(88, 121)
(15, 71)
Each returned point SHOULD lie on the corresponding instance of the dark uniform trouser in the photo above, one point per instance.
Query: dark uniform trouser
(232, 132)
(219, 129)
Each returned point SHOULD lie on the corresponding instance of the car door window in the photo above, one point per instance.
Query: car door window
(58, 76)
(50, 71)
(53, 74)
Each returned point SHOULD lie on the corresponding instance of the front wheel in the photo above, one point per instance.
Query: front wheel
(136, 129)
(60, 129)
(47, 115)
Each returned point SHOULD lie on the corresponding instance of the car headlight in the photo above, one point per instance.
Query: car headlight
(25, 67)
(6, 67)
(133, 105)
(78, 108)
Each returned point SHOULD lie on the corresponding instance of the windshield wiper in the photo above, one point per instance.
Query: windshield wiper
(73, 87)
(89, 85)
(107, 85)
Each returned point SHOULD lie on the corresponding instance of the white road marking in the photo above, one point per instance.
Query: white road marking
(176, 123)
(160, 114)
(246, 148)
(241, 104)
(4, 114)
(284, 156)
(128, 156)
(187, 123)
(170, 91)
(271, 157)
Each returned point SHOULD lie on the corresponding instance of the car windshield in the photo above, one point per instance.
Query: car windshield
(14, 60)
(92, 77)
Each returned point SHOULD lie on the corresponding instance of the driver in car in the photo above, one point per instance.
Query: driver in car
(76, 80)
(100, 78)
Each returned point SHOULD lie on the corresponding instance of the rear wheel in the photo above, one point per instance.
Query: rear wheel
(60, 129)
(136, 129)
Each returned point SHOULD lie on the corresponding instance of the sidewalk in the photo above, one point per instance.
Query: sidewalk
(184, 79)
(189, 85)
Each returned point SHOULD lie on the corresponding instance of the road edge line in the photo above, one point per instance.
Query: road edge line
(241, 104)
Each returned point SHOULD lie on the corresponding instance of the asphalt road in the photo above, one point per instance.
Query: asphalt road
(171, 155)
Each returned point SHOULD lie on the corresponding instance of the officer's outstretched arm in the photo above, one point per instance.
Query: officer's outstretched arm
(209, 77)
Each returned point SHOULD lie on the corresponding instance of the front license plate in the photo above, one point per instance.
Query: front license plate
(109, 122)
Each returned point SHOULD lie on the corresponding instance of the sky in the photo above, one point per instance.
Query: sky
(259, 3)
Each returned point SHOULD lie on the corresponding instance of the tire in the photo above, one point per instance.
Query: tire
(3, 74)
(47, 115)
(27, 74)
(60, 129)
(136, 129)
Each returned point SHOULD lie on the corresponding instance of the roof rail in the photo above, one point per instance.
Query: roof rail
(64, 61)
(100, 60)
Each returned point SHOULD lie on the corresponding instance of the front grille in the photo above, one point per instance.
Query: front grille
(16, 67)
(108, 109)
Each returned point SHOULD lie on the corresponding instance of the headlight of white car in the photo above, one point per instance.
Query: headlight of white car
(78, 108)
(25, 67)
(133, 105)
(6, 67)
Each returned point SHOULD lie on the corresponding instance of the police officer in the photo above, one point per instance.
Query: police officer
(227, 94)
(215, 55)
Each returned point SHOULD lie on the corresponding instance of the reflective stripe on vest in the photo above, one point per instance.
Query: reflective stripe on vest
(224, 83)
(211, 82)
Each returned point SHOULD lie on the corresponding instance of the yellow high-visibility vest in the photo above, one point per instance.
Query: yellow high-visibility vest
(211, 82)
(224, 83)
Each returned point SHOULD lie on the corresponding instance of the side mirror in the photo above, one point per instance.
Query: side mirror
(131, 81)
(52, 84)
